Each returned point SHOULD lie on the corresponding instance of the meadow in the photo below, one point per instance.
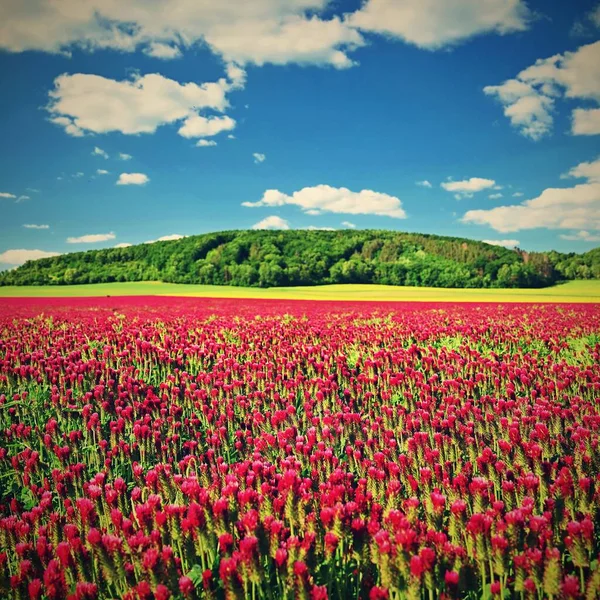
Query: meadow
(170, 448)
(572, 291)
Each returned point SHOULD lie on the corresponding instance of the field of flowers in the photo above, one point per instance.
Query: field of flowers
(183, 448)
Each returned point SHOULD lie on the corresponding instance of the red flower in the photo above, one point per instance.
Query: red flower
(186, 586)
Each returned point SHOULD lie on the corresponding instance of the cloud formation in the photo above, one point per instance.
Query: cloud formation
(91, 238)
(272, 222)
(504, 243)
(432, 24)
(133, 179)
(258, 32)
(83, 103)
(324, 198)
(529, 99)
(576, 207)
(467, 187)
(21, 256)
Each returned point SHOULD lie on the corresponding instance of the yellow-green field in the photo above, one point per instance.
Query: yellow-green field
(573, 291)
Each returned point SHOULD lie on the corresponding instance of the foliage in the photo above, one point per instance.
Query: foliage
(302, 258)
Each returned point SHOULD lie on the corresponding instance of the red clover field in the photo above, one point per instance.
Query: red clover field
(201, 448)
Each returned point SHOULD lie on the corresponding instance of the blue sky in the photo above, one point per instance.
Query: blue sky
(127, 122)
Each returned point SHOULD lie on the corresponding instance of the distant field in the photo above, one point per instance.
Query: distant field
(573, 291)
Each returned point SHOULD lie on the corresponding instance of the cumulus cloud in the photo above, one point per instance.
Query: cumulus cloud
(495, 196)
(167, 238)
(7, 195)
(518, 194)
(259, 158)
(83, 103)
(504, 243)
(102, 172)
(433, 24)
(123, 245)
(92, 238)
(586, 121)
(467, 187)
(581, 236)
(259, 32)
(324, 198)
(349, 224)
(205, 143)
(294, 39)
(424, 183)
(99, 152)
(529, 99)
(197, 126)
(133, 179)
(317, 228)
(576, 207)
(272, 222)
(125, 156)
(162, 51)
(21, 256)
(33, 226)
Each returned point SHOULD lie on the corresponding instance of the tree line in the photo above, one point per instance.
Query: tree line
(300, 257)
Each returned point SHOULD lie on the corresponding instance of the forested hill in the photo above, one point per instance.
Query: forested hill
(301, 257)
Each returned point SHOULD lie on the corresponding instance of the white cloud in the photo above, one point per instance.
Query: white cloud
(317, 228)
(123, 245)
(21, 256)
(99, 152)
(78, 175)
(518, 194)
(167, 238)
(83, 103)
(581, 236)
(495, 196)
(348, 224)
(433, 24)
(529, 99)
(32, 226)
(258, 157)
(124, 156)
(324, 198)
(293, 39)
(576, 207)
(162, 51)
(197, 126)
(424, 183)
(68, 125)
(586, 121)
(133, 179)
(92, 238)
(22, 198)
(272, 222)
(102, 172)
(467, 187)
(205, 143)
(586, 170)
(504, 243)
(259, 32)
(6, 195)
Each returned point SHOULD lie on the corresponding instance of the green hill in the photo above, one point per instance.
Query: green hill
(300, 257)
